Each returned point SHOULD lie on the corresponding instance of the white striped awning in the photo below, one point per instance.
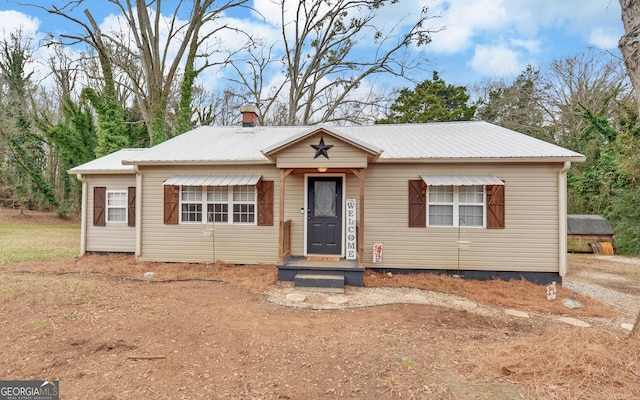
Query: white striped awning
(213, 180)
(460, 180)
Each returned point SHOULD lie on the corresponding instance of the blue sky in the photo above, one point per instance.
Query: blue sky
(481, 38)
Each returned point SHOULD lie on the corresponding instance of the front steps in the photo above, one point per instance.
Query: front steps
(320, 281)
(325, 275)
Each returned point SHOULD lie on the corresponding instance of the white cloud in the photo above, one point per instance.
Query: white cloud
(496, 61)
(529, 17)
(531, 46)
(13, 21)
(604, 38)
(464, 20)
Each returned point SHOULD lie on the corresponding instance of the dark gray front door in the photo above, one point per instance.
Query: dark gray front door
(324, 215)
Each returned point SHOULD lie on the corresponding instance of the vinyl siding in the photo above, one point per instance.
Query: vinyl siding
(115, 236)
(186, 242)
(530, 241)
(342, 155)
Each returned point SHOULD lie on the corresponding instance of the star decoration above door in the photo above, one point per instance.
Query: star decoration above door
(321, 149)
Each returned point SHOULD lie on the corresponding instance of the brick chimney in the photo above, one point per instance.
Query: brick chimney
(249, 116)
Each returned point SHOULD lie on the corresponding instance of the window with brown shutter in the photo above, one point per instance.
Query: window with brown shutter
(99, 205)
(131, 206)
(495, 207)
(417, 204)
(171, 202)
(265, 202)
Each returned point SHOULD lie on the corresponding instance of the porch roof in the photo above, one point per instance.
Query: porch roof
(213, 180)
(460, 180)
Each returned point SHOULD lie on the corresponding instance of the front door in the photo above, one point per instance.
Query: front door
(324, 215)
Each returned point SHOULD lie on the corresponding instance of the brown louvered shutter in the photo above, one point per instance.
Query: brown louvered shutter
(495, 207)
(171, 201)
(417, 204)
(99, 205)
(265, 203)
(131, 206)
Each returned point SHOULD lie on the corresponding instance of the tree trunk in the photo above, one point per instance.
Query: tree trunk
(629, 43)
(635, 331)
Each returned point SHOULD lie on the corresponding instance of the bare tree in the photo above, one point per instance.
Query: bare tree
(159, 45)
(629, 45)
(321, 67)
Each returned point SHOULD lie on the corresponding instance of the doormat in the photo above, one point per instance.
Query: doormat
(323, 258)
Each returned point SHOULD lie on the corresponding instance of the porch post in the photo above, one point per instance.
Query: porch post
(283, 175)
(361, 235)
(360, 174)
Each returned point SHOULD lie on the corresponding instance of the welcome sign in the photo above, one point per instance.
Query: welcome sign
(352, 248)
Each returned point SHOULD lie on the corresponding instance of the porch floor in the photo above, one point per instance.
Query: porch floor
(353, 275)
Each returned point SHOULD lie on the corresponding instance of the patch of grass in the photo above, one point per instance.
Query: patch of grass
(29, 242)
(44, 324)
(71, 315)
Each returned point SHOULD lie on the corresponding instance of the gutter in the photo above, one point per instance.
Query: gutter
(83, 215)
(562, 208)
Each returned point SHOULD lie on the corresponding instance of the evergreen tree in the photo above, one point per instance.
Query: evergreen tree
(430, 101)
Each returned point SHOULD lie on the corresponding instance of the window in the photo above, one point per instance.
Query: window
(456, 206)
(218, 204)
(244, 204)
(217, 201)
(191, 203)
(116, 206)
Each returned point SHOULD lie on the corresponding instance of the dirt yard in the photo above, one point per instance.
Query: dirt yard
(106, 332)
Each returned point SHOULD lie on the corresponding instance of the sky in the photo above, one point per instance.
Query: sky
(476, 39)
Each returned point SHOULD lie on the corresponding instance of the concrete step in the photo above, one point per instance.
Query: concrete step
(320, 282)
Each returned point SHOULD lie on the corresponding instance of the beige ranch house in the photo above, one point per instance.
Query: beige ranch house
(470, 198)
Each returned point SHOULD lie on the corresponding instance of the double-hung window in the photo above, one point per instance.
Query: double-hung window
(244, 204)
(191, 203)
(117, 206)
(456, 206)
(219, 202)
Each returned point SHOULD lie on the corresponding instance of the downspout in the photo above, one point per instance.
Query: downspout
(136, 168)
(83, 216)
(562, 207)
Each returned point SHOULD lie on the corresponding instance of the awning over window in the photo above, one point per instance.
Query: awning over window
(460, 180)
(213, 180)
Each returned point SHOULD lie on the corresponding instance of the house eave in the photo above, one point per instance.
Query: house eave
(101, 172)
(197, 162)
(461, 160)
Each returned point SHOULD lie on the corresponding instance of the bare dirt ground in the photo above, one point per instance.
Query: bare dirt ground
(106, 332)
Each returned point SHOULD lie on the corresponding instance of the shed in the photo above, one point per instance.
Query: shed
(585, 233)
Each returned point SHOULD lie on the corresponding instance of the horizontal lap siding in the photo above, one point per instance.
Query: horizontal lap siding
(294, 195)
(114, 236)
(242, 244)
(528, 243)
(340, 155)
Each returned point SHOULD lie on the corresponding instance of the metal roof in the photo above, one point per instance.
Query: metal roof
(460, 180)
(461, 141)
(213, 180)
(583, 224)
(109, 164)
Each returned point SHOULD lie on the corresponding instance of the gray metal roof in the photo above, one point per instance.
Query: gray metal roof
(109, 164)
(213, 180)
(463, 141)
(581, 224)
(460, 180)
